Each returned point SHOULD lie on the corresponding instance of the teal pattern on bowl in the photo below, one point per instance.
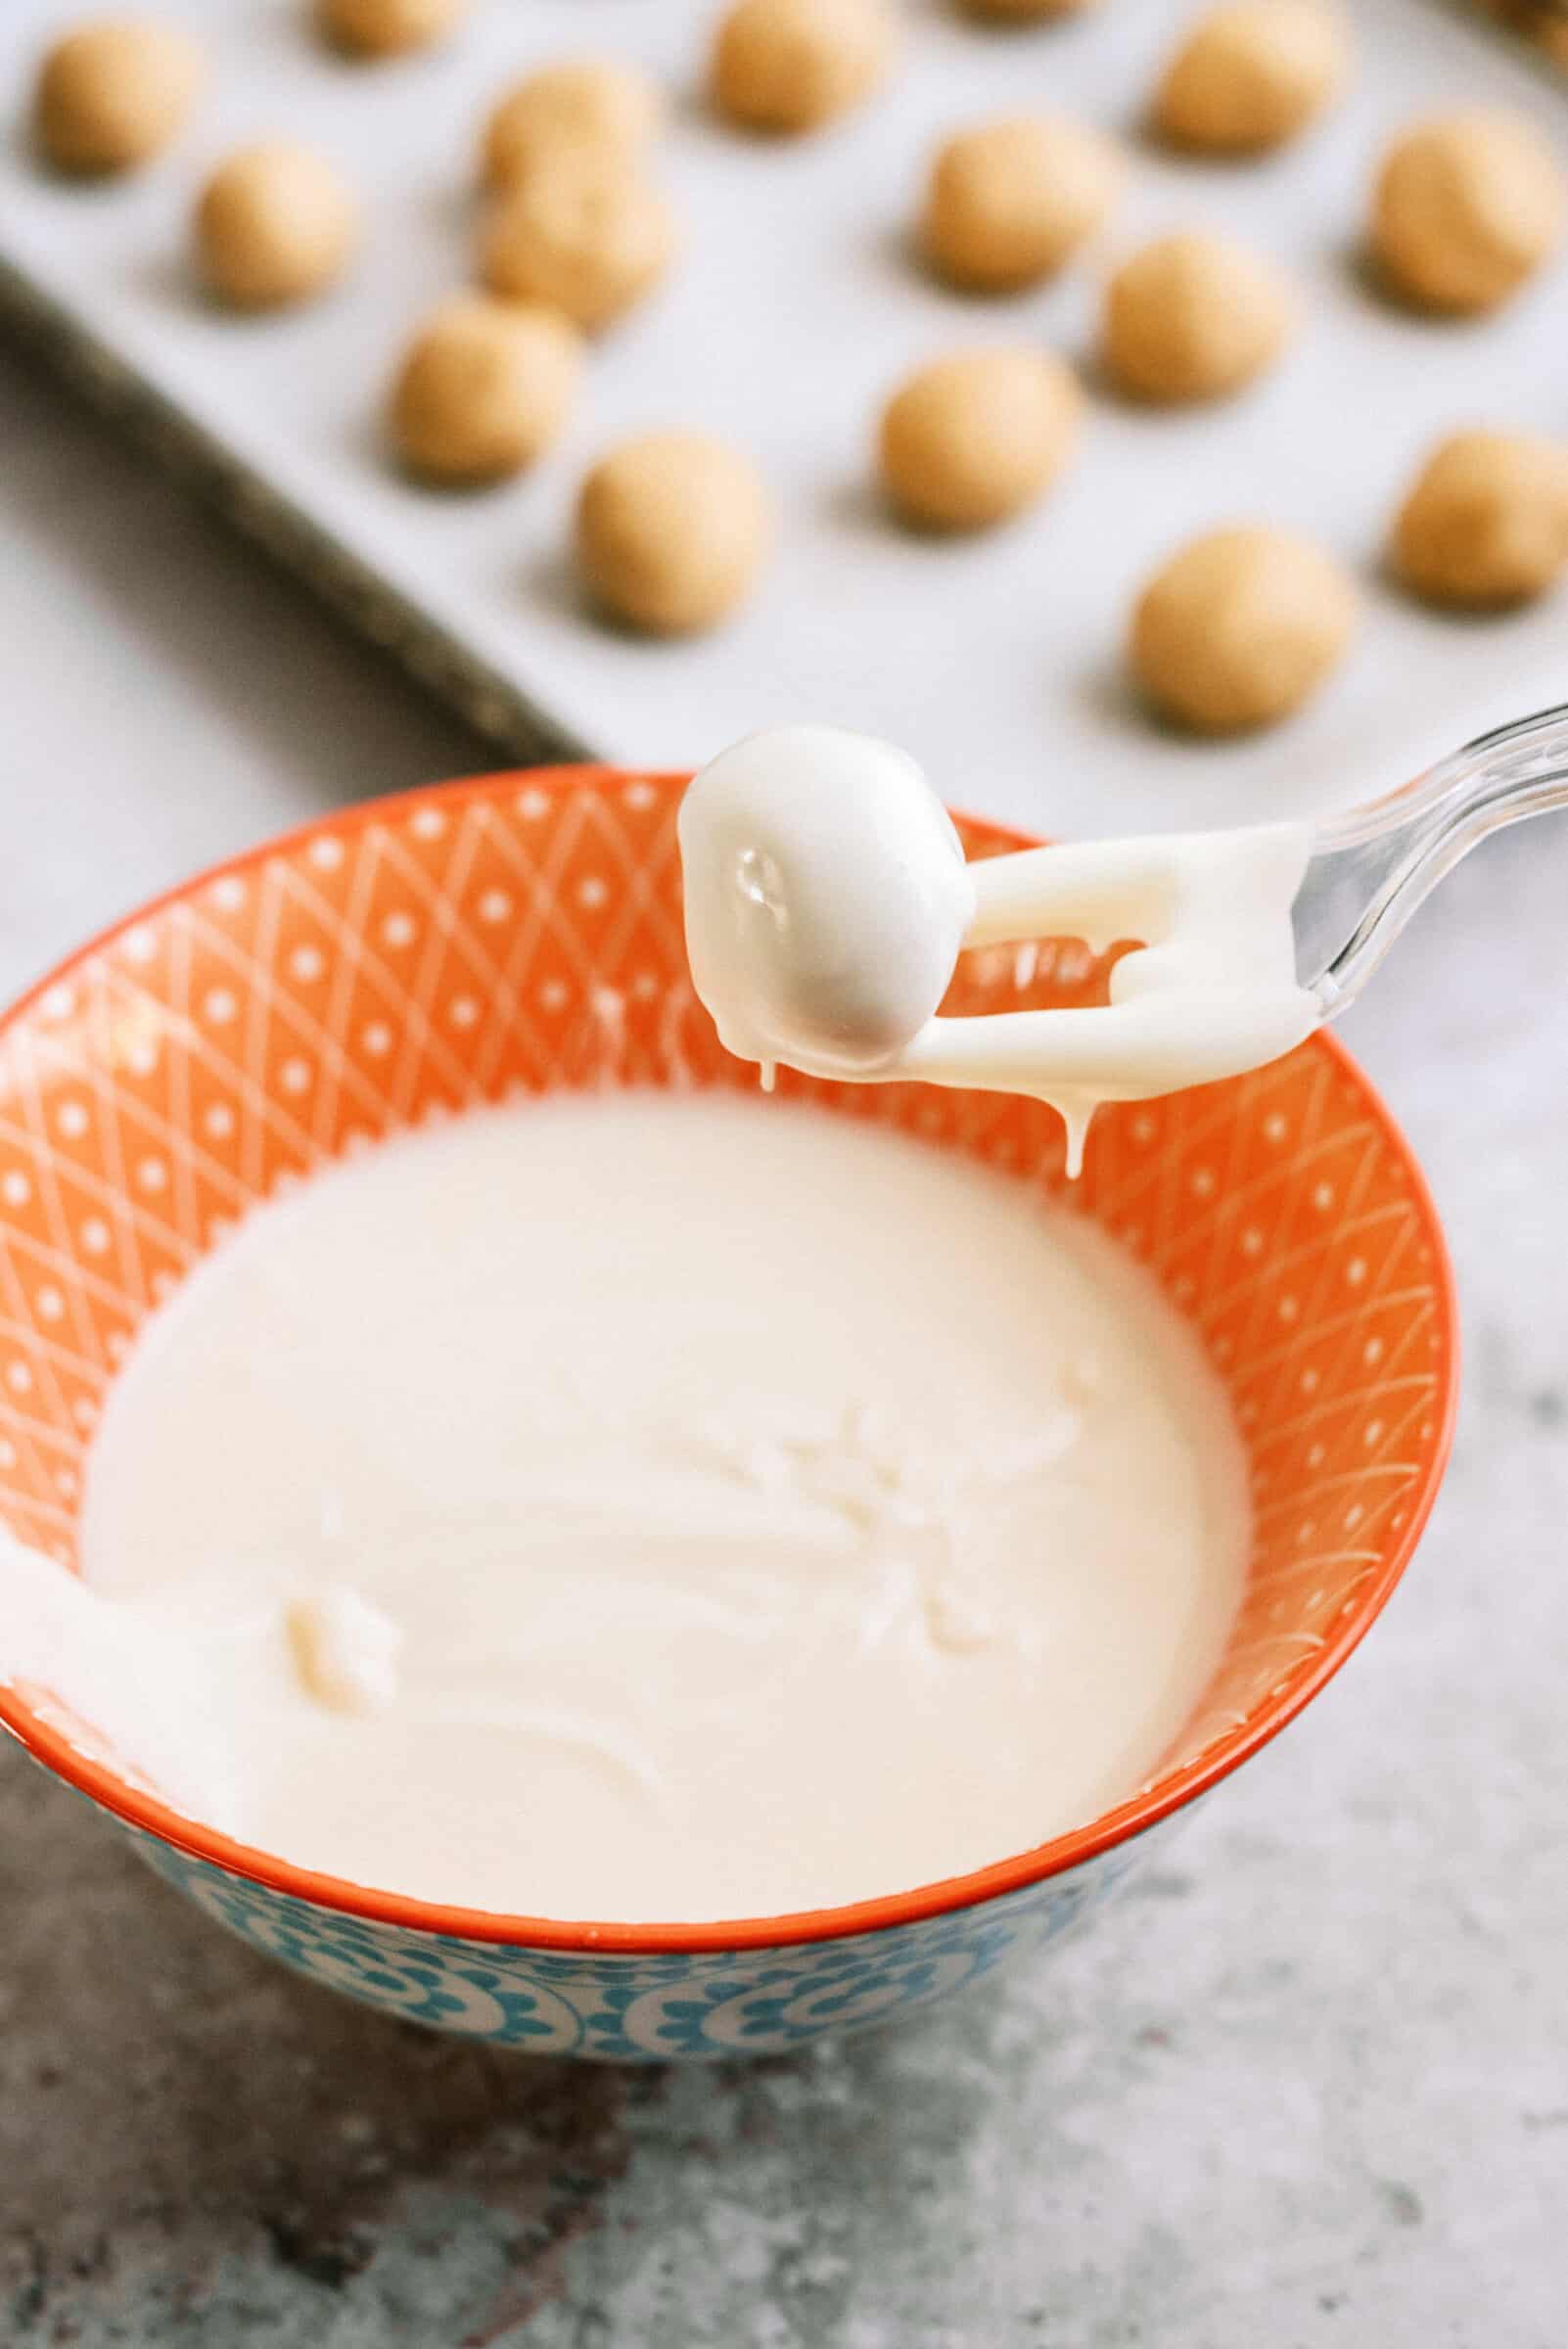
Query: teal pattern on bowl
(647, 2009)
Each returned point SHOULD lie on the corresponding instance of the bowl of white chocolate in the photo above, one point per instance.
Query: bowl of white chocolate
(559, 1543)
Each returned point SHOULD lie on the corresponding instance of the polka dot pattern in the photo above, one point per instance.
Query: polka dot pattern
(503, 939)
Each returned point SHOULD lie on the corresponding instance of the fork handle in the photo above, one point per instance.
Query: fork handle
(1381, 861)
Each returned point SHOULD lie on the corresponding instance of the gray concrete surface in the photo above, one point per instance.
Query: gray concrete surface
(1306, 2088)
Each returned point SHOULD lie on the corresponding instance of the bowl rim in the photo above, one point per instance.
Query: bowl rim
(147, 1812)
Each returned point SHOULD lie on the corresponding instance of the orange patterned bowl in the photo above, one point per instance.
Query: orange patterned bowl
(404, 960)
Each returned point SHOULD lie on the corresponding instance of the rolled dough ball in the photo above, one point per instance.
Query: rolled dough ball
(275, 225)
(975, 438)
(1484, 523)
(1465, 209)
(587, 104)
(1010, 201)
(1192, 317)
(1022, 12)
(1250, 74)
(585, 231)
(387, 28)
(794, 65)
(113, 92)
(1239, 628)
(484, 387)
(671, 532)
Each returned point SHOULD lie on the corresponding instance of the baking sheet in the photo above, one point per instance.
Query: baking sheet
(794, 309)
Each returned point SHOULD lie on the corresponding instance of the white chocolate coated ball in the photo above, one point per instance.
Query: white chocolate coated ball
(826, 899)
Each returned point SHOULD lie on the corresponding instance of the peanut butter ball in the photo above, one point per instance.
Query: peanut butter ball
(275, 225)
(483, 388)
(1484, 523)
(794, 65)
(1465, 209)
(1239, 628)
(387, 28)
(584, 230)
(1191, 318)
(1009, 202)
(977, 436)
(671, 532)
(587, 103)
(1024, 12)
(112, 93)
(1250, 74)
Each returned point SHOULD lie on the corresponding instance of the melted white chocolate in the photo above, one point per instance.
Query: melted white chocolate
(679, 1508)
